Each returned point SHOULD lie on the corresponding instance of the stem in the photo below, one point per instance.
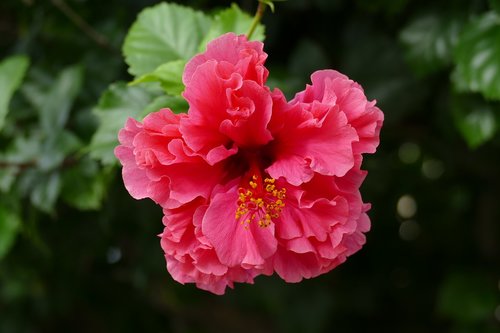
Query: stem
(69, 161)
(21, 166)
(256, 19)
(73, 16)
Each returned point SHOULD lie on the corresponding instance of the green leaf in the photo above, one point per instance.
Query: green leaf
(46, 191)
(12, 71)
(268, 3)
(475, 119)
(175, 103)
(7, 178)
(56, 148)
(429, 41)
(477, 56)
(84, 185)
(10, 224)
(163, 33)
(467, 297)
(495, 5)
(24, 149)
(116, 104)
(46, 154)
(231, 20)
(169, 75)
(54, 102)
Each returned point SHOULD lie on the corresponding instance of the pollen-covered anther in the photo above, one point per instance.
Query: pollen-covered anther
(253, 183)
(260, 204)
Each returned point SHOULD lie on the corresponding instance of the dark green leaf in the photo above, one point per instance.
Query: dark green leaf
(116, 104)
(54, 103)
(24, 150)
(429, 41)
(45, 192)
(56, 149)
(12, 71)
(7, 178)
(163, 33)
(477, 56)
(495, 4)
(10, 224)
(467, 297)
(475, 119)
(85, 184)
(45, 153)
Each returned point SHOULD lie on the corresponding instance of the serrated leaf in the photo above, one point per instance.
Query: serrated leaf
(12, 72)
(475, 119)
(53, 105)
(231, 20)
(429, 41)
(116, 104)
(10, 224)
(169, 75)
(477, 56)
(85, 184)
(163, 33)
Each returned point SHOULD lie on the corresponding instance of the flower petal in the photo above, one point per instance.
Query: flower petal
(316, 140)
(247, 58)
(234, 243)
(330, 87)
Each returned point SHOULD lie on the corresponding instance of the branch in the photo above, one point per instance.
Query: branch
(73, 16)
(66, 163)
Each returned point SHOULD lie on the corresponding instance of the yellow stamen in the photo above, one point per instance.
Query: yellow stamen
(261, 204)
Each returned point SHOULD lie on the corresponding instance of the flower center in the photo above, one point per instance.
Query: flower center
(260, 201)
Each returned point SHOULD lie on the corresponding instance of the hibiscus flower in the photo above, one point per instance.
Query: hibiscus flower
(249, 183)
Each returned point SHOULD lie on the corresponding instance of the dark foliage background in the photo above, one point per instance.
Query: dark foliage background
(78, 254)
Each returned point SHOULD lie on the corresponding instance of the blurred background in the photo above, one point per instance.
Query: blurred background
(78, 253)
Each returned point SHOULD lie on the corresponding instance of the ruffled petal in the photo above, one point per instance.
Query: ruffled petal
(318, 140)
(245, 57)
(157, 164)
(332, 88)
(236, 244)
(189, 260)
(225, 112)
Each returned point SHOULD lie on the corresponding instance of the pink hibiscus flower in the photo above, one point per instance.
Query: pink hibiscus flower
(249, 183)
